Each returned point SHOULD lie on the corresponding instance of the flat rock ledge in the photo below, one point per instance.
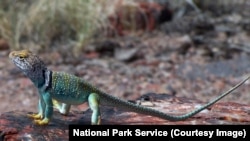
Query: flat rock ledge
(15, 125)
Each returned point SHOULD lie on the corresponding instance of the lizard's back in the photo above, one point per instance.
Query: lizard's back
(69, 89)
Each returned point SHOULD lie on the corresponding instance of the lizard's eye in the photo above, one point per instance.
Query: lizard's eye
(21, 57)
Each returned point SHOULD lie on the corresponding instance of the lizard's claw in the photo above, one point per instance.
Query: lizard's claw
(45, 121)
(35, 116)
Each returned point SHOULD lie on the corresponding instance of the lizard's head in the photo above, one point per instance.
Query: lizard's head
(27, 61)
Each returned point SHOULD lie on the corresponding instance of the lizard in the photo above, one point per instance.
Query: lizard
(60, 90)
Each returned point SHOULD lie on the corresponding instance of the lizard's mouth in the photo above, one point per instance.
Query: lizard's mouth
(20, 65)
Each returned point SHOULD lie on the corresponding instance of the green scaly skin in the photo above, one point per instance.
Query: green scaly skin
(61, 90)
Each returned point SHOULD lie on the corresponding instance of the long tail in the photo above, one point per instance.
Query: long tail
(128, 106)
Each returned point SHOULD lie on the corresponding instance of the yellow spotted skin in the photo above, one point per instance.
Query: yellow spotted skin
(70, 89)
(60, 90)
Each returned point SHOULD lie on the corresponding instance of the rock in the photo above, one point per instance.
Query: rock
(129, 17)
(125, 54)
(4, 45)
(15, 125)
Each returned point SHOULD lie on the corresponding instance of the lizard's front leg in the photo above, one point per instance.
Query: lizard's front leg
(41, 107)
(93, 100)
(48, 109)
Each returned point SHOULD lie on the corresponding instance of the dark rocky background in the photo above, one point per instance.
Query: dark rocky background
(196, 54)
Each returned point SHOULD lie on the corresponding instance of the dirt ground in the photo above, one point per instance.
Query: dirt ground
(197, 56)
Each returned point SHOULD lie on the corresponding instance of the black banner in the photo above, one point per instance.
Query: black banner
(168, 131)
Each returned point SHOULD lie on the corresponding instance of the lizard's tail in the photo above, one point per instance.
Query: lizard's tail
(128, 106)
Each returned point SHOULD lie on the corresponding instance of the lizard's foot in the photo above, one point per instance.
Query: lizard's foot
(45, 121)
(35, 116)
(62, 107)
(56, 104)
(98, 121)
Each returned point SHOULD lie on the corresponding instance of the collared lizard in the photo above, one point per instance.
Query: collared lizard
(62, 90)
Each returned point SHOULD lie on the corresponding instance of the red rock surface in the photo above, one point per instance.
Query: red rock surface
(15, 125)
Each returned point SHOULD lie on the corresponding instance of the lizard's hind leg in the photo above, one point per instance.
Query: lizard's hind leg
(93, 100)
(63, 108)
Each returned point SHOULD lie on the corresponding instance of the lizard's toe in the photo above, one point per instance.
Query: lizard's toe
(42, 122)
(35, 116)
